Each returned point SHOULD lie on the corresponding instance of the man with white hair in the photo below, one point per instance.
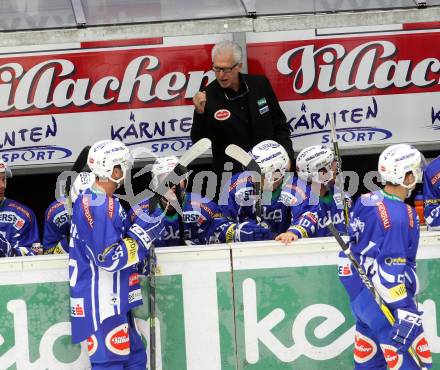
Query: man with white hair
(18, 224)
(237, 108)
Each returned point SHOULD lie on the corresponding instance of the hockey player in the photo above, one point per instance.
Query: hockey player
(286, 206)
(202, 221)
(431, 194)
(57, 217)
(384, 237)
(104, 283)
(18, 224)
(317, 165)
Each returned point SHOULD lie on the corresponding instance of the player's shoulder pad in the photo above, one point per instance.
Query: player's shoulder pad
(241, 180)
(54, 208)
(206, 206)
(20, 209)
(432, 172)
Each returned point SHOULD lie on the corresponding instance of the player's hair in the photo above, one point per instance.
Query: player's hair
(227, 45)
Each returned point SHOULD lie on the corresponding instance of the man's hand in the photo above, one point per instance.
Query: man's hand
(287, 237)
(199, 101)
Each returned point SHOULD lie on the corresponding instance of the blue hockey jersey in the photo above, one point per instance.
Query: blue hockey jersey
(384, 237)
(102, 264)
(18, 225)
(203, 222)
(431, 194)
(56, 229)
(290, 207)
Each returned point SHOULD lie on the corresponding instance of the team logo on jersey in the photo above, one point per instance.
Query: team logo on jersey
(222, 115)
(364, 348)
(384, 216)
(394, 360)
(77, 307)
(92, 345)
(422, 349)
(134, 296)
(118, 340)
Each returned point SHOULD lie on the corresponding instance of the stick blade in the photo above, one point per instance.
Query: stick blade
(195, 151)
(81, 160)
(77, 167)
(243, 157)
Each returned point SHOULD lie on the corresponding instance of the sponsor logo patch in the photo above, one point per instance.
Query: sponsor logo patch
(133, 279)
(410, 216)
(92, 345)
(134, 296)
(422, 348)
(397, 292)
(394, 360)
(264, 110)
(111, 208)
(118, 341)
(222, 115)
(383, 213)
(77, 307)
(364, 348)
(435, 178)
(344, 267)
(398, 261)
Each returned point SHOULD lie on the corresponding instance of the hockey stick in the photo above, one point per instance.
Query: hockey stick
(339, 175)
(174, 177)
(241, 156)
(369, 285)
(77, 167)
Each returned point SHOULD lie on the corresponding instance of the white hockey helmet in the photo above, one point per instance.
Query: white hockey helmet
(82, 182)
(162, 166)
(105, 155)
(397, 160)
(313, 159)
(4, 168)
(271, 157)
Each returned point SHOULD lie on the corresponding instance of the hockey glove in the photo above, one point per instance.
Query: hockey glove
(252, 231)
(145, 234)
(406, 328)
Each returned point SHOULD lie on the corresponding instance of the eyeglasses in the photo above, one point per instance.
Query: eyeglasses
(225, 69)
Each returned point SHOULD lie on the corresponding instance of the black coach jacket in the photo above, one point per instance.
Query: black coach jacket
(223, 122)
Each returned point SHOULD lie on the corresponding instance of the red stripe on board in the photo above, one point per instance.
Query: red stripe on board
(116, 43)
(420, 25)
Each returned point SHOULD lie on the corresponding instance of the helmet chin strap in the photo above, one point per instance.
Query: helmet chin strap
(410, 188)
(117, 182)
